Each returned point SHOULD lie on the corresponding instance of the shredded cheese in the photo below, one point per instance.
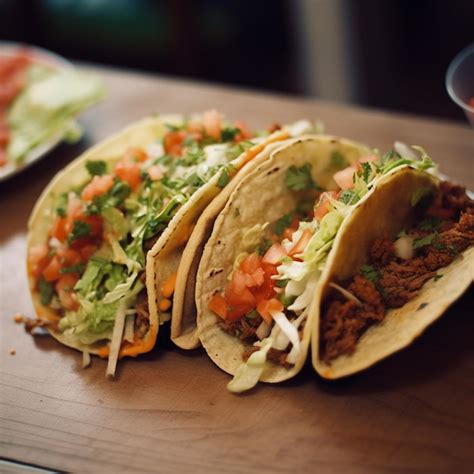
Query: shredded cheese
(116, 340)
(129, 333)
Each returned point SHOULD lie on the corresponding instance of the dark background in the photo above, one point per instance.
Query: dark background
(390, 54)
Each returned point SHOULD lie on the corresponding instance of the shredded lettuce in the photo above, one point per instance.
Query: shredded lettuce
(248, 373)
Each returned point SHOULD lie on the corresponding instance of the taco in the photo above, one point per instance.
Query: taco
(111, 213)
(260, 267)
(404, 255)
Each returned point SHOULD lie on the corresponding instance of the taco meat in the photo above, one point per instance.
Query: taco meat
(389, 281)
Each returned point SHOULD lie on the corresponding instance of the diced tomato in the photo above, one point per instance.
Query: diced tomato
(38, 259)
(250, 263)
(4, 136)
(264, 308)
(3, 157)
(238, 283)
(235, 312)
(267, 289)
(98, 186)
(255, 278)
(59, 229)
(244, 133)
(68, 257)
(212, 122)
(173, 142)
(128, 171)
(136, 154)
(52, 270)
(155, 172)
(302, 243)
(344, 178)
(194, 126)
(274, 254)
(64, 288)
(87, 251)
(218, 305)
(95, 223)
(322, 207)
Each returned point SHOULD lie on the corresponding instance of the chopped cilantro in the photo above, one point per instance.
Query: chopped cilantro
(172, 128)
(236, 150)
(366, 171)
(369, 272)
(437, 277)
(424, 241)
(299, 179)
(224, 177)
(282, 223)
(390, 156)
(431, 223)
(62, 205)
(281, 283)
(46, 291)
(337, 160)
(229, 133)
(264, 245)
(96, 167)
(112, 198)
(348, 197)
(79, 268)
(79, 229)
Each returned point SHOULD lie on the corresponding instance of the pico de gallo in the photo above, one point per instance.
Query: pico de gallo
(267, 299)
(90, 272)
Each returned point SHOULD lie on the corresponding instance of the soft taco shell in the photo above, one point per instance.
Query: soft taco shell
(164, 259)
(260, 197)
(384, 212)
(75, 174)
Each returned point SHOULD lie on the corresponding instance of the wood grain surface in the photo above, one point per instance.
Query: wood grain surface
(169, 411)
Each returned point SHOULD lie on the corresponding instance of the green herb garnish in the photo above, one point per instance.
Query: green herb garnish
(282, 223)
(264, 245)
(79, 229)
(96, 168)
(369, 272)
(46, 290)
(61, 207)
(348, 197)
(424, 241)
(299, 179)
(229, 133)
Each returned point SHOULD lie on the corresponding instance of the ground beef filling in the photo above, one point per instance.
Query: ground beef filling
(395, 281)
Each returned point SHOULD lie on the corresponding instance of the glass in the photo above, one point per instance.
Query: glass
(460, 81)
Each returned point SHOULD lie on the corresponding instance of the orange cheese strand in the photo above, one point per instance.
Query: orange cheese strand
(255, 150)
(168, 286)
(137, 348)
(165, 304)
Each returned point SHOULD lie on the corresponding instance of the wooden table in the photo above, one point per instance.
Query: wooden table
(169, 411)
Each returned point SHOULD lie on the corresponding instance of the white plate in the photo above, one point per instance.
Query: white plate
(50, 59)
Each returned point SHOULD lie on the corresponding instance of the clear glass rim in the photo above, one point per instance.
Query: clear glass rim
(453, 66)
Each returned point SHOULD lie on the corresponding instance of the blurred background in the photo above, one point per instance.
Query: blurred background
(390, 54)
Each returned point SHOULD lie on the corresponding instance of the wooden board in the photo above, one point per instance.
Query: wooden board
(169, 411)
